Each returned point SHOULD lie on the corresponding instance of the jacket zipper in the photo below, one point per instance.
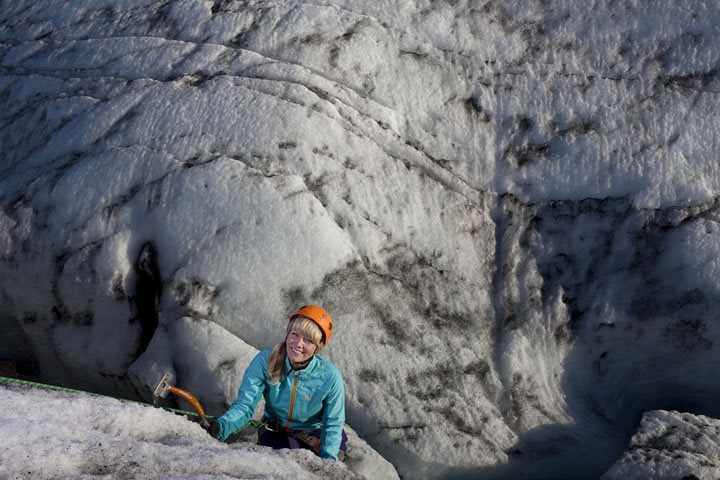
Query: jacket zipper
(292, 402)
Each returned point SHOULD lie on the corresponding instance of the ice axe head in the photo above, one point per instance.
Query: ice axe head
(163, 387)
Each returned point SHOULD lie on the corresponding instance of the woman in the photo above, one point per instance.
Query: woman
(304, 392)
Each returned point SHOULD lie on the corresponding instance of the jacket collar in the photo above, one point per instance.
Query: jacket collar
(310, 366)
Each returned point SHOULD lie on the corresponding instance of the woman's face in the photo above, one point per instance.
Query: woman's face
(299, 348)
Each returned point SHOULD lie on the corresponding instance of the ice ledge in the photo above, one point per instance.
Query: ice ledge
(670, 444)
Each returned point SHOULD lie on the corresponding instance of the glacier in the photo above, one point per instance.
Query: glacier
(511, 208)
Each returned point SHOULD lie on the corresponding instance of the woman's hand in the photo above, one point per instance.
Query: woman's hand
(213, 429)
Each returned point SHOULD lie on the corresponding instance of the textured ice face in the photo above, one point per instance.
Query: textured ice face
(670, 445)
(508, 207)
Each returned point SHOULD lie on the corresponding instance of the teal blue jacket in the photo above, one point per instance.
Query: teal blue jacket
(315, 394)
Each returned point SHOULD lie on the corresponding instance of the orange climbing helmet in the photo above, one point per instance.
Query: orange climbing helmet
(320, 316)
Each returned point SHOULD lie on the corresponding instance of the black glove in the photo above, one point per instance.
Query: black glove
(213, 429)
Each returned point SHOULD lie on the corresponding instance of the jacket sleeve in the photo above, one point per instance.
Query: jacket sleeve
(333, 419)
(251, 389)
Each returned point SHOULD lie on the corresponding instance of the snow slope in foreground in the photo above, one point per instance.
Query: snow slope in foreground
(69, 435)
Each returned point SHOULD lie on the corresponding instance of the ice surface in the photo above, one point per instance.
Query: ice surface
(510, 208)
(69, 435)
(671, 445)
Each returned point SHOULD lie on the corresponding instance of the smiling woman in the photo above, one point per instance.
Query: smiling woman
(300, 348)
(304, 392)
(308, 330)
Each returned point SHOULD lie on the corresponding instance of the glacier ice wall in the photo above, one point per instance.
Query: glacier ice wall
(510, 207)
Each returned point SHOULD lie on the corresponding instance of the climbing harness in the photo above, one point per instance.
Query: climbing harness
(303, 436)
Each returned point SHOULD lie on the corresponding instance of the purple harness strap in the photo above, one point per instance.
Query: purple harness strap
(285, 438)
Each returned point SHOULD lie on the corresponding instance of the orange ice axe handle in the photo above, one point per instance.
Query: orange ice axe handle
(190, 398)
(164, 387)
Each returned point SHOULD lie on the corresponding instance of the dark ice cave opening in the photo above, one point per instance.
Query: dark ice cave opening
(147, 294)
(16, 354)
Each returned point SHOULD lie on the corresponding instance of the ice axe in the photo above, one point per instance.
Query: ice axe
(164, 387)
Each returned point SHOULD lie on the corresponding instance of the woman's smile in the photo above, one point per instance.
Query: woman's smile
(299, 348)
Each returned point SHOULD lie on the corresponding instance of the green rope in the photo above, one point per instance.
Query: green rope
(56, 388)
(252, 424)
(45, 386)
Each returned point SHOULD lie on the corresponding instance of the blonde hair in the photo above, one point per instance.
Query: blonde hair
(305, 327)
